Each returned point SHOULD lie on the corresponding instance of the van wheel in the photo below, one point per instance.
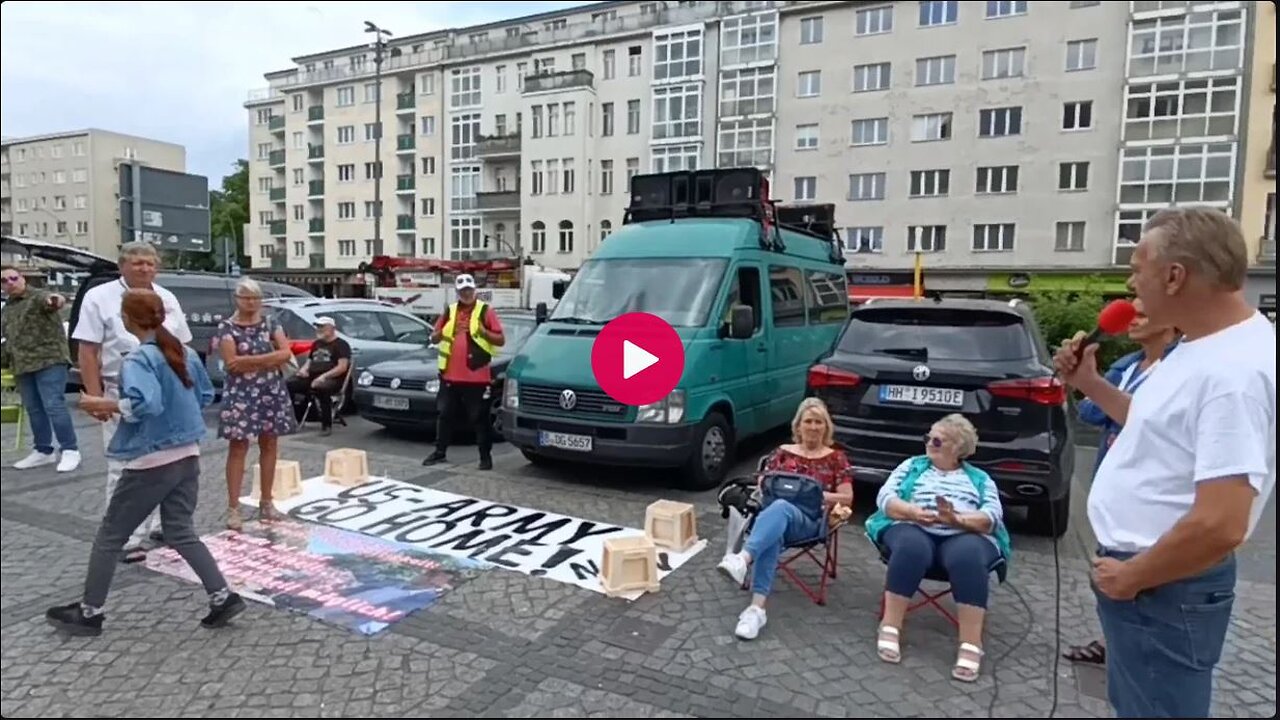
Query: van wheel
(711, 456)
(1050, 519)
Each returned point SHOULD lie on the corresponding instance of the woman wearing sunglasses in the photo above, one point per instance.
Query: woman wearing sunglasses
(938, 512)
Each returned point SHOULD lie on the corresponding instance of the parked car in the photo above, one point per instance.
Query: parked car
(900, 365)
(401, 394)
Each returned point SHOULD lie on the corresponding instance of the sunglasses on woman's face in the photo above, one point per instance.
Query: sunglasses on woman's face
(934, 441)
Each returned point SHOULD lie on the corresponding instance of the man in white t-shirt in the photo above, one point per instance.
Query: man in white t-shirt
(1188, 476)
(103, 343)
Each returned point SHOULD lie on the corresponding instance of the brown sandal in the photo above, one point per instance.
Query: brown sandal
(267, 512)
(234, 521)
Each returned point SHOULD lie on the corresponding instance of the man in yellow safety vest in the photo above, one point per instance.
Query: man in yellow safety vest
(464, 369)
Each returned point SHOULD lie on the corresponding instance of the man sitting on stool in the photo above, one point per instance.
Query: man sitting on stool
(323, 374)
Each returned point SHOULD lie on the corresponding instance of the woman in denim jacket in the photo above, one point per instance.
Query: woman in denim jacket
(163, 389)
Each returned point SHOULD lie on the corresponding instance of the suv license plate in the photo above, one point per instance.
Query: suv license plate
(916, 395)
(565, 441)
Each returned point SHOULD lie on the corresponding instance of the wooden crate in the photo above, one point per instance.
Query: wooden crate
(629, 564)
(672, 525)
(288, 482)
(346, 466)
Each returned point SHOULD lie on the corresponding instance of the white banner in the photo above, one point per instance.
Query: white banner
(534, 542)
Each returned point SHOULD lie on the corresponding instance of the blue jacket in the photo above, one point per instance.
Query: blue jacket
(1090, 413)
(156, 411)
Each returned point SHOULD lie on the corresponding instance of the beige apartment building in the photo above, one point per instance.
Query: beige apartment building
(62, 187)
(1257, 197)
(988, 137)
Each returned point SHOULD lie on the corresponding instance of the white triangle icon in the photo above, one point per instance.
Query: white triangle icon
(635, 359)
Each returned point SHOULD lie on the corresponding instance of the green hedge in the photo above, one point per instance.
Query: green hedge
(1062, 313)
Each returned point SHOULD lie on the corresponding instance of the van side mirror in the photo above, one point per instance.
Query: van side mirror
(742, 322)
(540, 313)
(557, 288)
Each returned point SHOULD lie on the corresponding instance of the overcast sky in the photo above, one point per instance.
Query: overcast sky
(180, 71)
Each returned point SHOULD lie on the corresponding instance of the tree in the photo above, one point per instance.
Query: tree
(1063, 313)
(229, 212)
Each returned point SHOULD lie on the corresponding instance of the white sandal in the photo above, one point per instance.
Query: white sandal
(888, 648)
(966, 670)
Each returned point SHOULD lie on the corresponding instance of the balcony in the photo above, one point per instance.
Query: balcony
(405, 142)
(276, 124)
(503, 201)
(405, 183)
(564, 80)
(496, 146)
(1267, 251)
(405, 101)
(315, 225)
(279, 262)
(404, 223)
(277, 227)
(315, 188)
(315, 261)
(315, 152)
(276, 158)
(315, 113)
(277, 194)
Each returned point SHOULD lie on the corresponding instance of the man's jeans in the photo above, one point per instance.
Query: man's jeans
(44, 397)
(1163, 645)
(776, 527)
(116, 467)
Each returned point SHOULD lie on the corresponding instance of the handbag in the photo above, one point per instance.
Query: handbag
(801, 491)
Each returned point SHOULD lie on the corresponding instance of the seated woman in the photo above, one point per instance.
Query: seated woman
(781, 523)
(937, 511)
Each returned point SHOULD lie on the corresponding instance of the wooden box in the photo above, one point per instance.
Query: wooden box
(671, 525)
(629, 564)
(288, 482)
(346, 466)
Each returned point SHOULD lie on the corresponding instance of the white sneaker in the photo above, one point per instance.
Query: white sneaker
(70, 460)
(35, 460)
(735, 566)
(750, 622)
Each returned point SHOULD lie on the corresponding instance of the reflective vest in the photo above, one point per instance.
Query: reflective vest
(475, 339)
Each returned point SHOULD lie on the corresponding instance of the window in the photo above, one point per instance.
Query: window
(809, 84)
(677, 55)
(1006, 63)
(264, 184)
(938, 12)
(264, 116)
(372, 170)
(940, 70)
(570, 119)
(59, 202)
(606, 119)
(747, 92)
(346, 211)
(500, 79)
(1069, 237)
(464, 87)
(55, 151)
(997, 179)
(370, 132)
(428, 166)
(1084, 3)
(1005, 8)
(867, 186)
(370, 92)
(566, 236)
(347, 172)
(926, 238)
(993, 238)
(82, 227)
(606, 177)
(634, 61)
(81, 202)
(298, 178)
(609, 64)
(465, 131)
(553, 120)
(299, 212)
(828, 297)
(806, 188)
(1209, 40)
(999, 122)
(427, 84)
(77, 149)
(930, 183)
(298, 102)
(465, 236)
(264, 150)
(347, 248)
(1077, 115)
(346, 134)
(870, 131)
(1082, 55)
(871, 77)
(370, 210)
(748, 38)
(539, 236)
(934, 126)
(1073, 176)
(811, 30)
(536, 113)
(1181, 109)
(1188, 173)
(807, 137)
(346, 96)
(428, 124)
(746, 143)
(874, 21)
(633, 169)
(633, 117)
(788, 303)
(866, 239)
(406, 329)
(676, 111)
(569, 178)
(673, 158)
(463, 184)
(535, 177)
(427, 206)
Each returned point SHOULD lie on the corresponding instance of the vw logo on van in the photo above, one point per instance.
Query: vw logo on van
(920, 373)
(568, 399)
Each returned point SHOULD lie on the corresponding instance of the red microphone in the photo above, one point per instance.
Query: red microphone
(1114, 319)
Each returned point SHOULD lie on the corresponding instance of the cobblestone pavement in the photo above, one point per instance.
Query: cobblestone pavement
(508, 644)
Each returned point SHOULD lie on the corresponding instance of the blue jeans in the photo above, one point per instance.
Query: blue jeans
(1163, 645)
(965, 558)
(44, 398)
(776, 527)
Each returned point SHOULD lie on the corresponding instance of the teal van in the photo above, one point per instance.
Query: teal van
(756, 293)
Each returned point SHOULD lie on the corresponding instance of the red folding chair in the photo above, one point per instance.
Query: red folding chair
(938, 575)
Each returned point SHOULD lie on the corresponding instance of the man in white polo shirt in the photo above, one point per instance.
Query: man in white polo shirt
(103, 343)
(1188, 476)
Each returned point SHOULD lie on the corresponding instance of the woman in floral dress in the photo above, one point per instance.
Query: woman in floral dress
(255, 399)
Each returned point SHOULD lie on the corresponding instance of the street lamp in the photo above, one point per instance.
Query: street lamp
(379, 45)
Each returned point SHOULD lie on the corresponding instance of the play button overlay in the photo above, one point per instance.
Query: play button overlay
(637, 359)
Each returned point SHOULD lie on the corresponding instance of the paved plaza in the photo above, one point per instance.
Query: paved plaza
(504, 643)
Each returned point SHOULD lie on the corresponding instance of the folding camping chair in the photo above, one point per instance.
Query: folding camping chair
(11, 407)
(339, 400)
(938, 575)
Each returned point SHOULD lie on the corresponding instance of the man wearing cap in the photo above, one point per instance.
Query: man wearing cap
(323, 374)
(464, 368)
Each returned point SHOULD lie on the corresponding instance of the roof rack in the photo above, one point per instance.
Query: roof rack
(728, 192)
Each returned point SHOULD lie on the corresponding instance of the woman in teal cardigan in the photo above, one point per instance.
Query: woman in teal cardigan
(938, 512)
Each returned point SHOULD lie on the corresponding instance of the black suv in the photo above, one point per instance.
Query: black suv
(900, 365)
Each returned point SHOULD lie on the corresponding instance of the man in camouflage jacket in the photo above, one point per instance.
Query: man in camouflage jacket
(35, 351)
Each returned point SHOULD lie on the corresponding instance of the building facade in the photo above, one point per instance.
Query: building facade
(1257, 197)
(62, 187)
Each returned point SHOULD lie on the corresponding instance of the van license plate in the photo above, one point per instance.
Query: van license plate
(565, 441)
(387, 402)
(916, 395)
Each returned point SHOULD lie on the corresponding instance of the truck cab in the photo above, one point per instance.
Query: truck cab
(755, 292)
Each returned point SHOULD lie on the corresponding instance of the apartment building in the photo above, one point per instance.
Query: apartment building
(62, 187)
(1256, 201)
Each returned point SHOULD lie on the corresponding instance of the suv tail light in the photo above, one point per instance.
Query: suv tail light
(1042, 390)
(301, 347)
(825, 376)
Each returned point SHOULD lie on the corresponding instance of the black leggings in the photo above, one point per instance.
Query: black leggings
(966, 558)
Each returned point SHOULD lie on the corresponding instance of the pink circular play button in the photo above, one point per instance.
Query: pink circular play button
(637, 359)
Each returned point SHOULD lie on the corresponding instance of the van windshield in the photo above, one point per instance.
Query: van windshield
(679, 291)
